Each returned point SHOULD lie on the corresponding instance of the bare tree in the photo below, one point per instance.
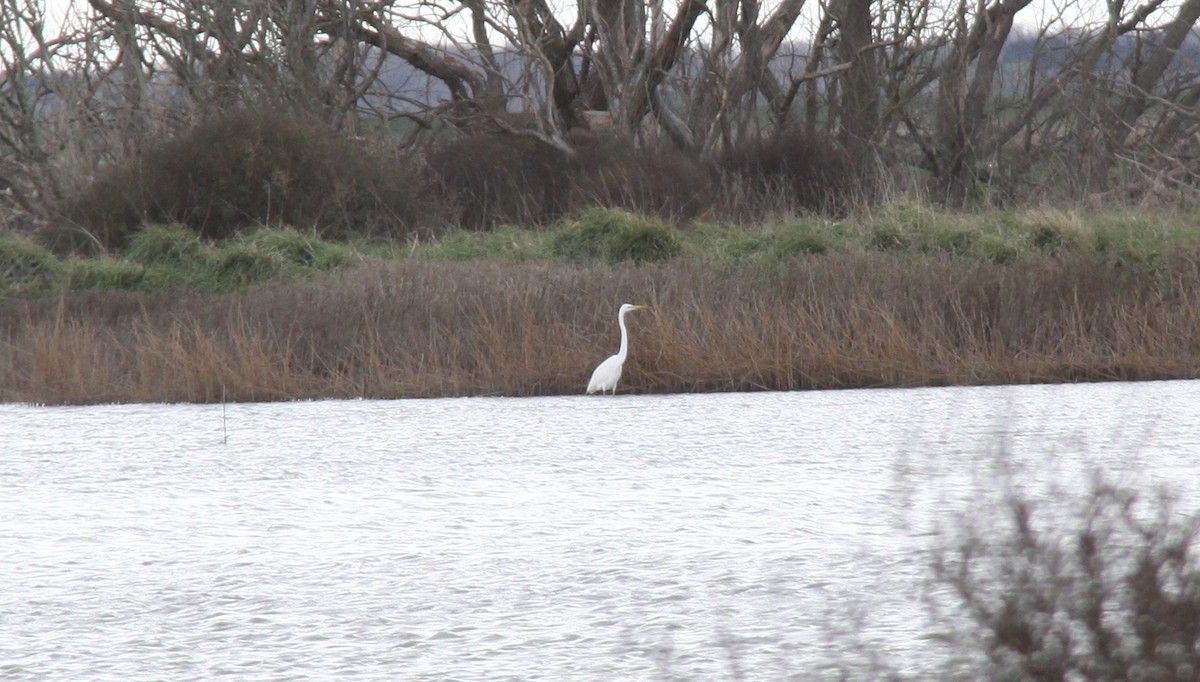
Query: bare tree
(965, 85)
(36, 83)
(903, 81)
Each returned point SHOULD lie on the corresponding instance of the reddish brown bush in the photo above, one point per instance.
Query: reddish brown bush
(659, 180)
(787, 170)
(491, 179)
(498, 178)
(250, 168)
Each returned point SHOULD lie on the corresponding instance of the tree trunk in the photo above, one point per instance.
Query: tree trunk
(961, 102)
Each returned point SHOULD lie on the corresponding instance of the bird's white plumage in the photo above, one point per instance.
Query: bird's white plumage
(608, 373)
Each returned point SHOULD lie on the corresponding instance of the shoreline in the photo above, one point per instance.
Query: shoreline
(424, 329)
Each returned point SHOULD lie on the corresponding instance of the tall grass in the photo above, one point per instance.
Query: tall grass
(423, 328)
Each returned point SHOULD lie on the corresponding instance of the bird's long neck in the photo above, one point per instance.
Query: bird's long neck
(624, 336)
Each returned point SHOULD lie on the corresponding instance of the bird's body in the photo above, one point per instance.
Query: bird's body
(608, 373)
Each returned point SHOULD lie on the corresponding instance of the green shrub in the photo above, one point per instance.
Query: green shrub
(954, 240)
(239, 263)
(1051, 238)
(103, 273)
(914, 216)
(26, 266)
(616, 236)
(744, 247)
(506, 242)
(643, 242)
(331, 257)
(910, 224)
(800, 238)
(164, 245)
(1134, 243)
(884, 237)
(288, 243)
(295, 248)
(996, 249)
(1000, 222)
(67, 236)
(584, 238)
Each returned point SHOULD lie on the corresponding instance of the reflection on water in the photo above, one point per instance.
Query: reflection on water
(749, 536)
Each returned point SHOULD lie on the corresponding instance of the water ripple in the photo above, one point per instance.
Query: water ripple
(700, 537)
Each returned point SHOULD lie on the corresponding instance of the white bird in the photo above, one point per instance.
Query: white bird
(608, 373)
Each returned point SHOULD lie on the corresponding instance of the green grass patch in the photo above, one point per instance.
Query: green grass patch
(506, 242)
(955, 240)
(103, 273)
(769, 246)
(174, 256)
(996, 249)
(166, 245)
(159, 256)
(295, 248)
(266, 254)
(1141, 239)
(26, 267)
(614, 236)
(237, 264)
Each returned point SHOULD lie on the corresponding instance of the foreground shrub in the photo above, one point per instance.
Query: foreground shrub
(25, 266)
(615, 236)
(1112, 595)
(292, 247)
(267, 253)
(164, 245)
(801, 238)
(249, 168)
(238, 263)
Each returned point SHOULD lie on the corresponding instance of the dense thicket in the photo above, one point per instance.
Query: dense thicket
(246, 169)
(948, 99)
(253, 168)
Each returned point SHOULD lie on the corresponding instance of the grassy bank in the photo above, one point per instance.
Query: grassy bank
(809, 304)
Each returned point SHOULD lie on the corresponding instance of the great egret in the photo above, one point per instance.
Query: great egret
(608, 373)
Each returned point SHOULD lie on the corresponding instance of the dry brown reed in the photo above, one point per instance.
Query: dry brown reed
(418, 328)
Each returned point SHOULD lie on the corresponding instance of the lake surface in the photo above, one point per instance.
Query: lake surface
(729, 536)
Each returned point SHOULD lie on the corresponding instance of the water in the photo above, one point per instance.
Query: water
(751, 536)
